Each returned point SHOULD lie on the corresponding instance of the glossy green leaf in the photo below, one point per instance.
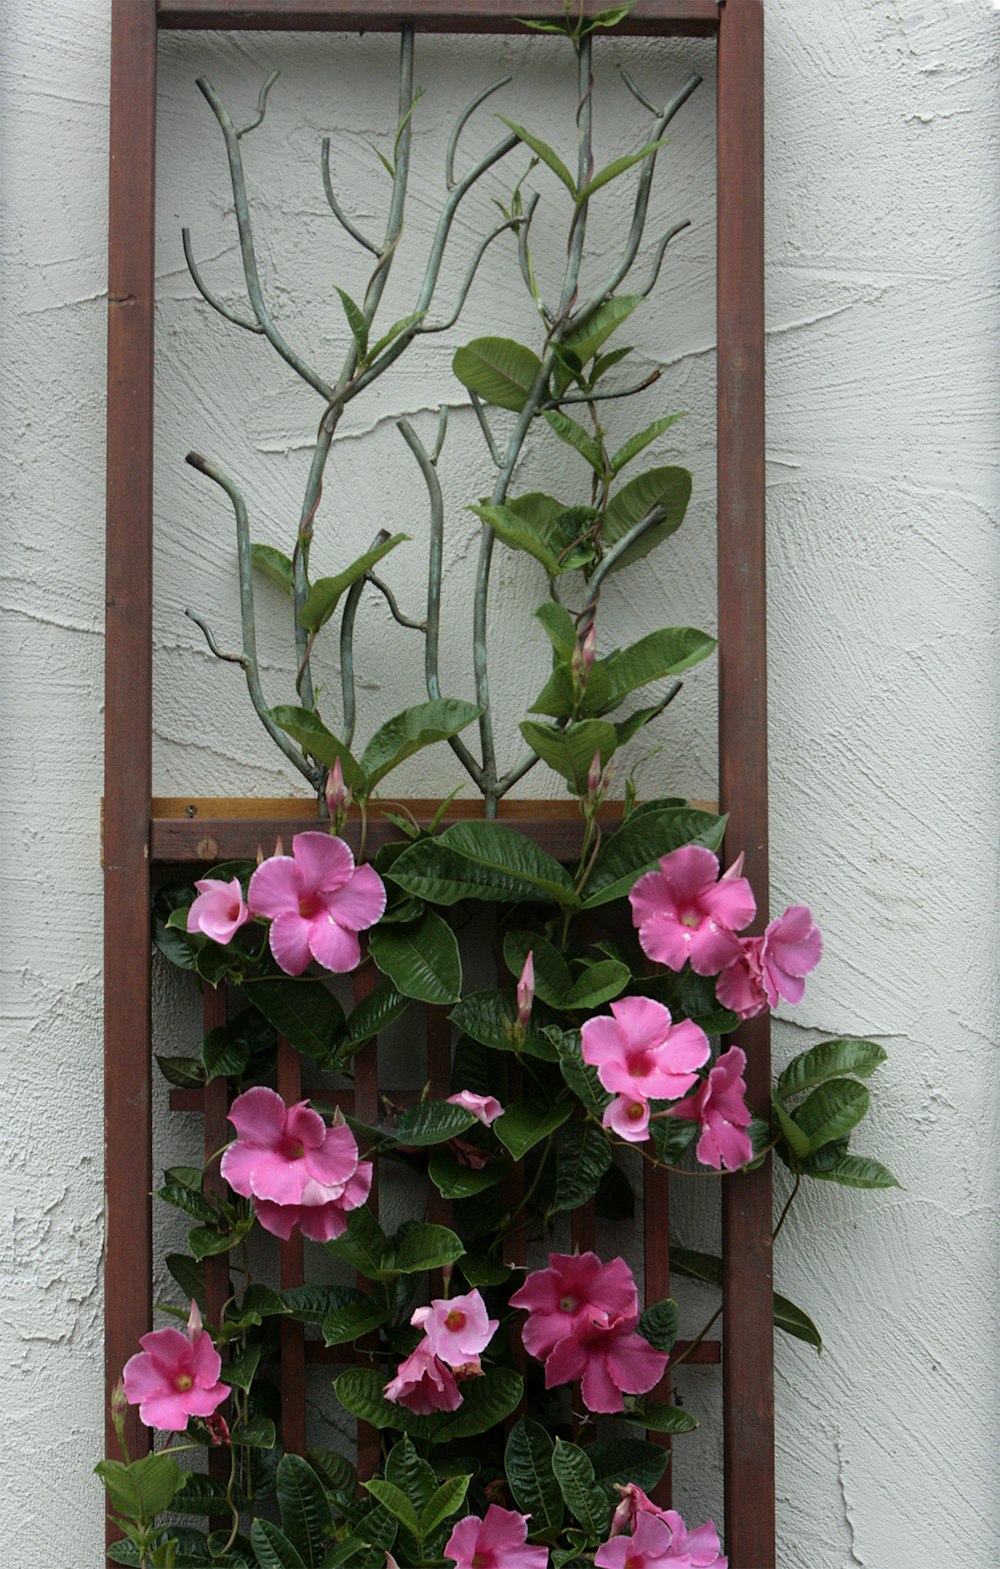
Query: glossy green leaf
(422, 1246)
(597, 983)
(310, 1304)
(486, 1402)
(306, 1517)
(444, 1502)
(573, 433)
(370, 1017)
(200, 1495)
(275, 566)
(364, 1244)
(259, 1433)
(524, 1125)
(557, 536)
(405, 1468)
(639, 844)
(421, 958)
(528, 1464)
(410, 732)
(334, 1470)
(482, 1269)
(189, 1274)
(222, 1056)
(396, 330)
(671, 1136)
(482, 860)
(797, 1139)
(659, 1324)
(395, 1500)
(708, 1269)
(431, 1122)
(272, 1547)
(581, 1076)
(141, 1489)
(240, 1372)
(455, 1180)
(583, 1155)
(354, 1319)
(586, 1501)
(186, 1072)
(586, 340)
(542, 150)
(661, 1417)
(308, 1016)
(559, 627)
(498, 370)
(571, 751)
(491, 1018)
(831, 1110)
(618, 1461)
(311, 733)
(640, 441)
(667, 489)
(325, 594)
(618, 166)
(553, 981)
(668, 652)
(827, 1060)
(852, 1171)
(357, 323)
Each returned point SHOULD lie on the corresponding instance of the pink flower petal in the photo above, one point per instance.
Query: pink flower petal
(359, 903)
(712, 947)
(237, 1167)
(289, 939)
(275, 887)
(643, 1022)
(336, 1160)
(166, 1412)
(629, 1118)
(633, 1364)
(258, 1115)
(486, 1108)
(599, 1389)
(333, 947)
(323, 1223)
(722, 1143)
(731, 902)
(306, 1126)
(279, 1219)
(205, 1362)
(325, 862)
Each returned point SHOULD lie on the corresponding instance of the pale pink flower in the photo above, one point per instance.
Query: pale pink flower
(609, 1358)
(423, 1384)
(457, 1329)
(687, 912)
(720, 1107)
(628, 1117)
(647, 1548)
(700, 1547)
(298, 1171)
(498, 1541)
(526, 992)
(641, 1053)
(219, 910)
(574, 1289)
(175, 1376)
(485, 1108)
(772, 966)
(317, 901)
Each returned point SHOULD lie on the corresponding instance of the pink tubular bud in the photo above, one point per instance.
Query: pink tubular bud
(526, 992)
(338, 797)
(594, 776)
(588, 652)
(194, 1323)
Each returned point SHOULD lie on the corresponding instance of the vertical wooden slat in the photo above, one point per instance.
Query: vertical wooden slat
(748, 1372)
(439, 1079)
(215, 1135)
(656, 1268)
(128, 700)
(293, 1367)
(366, 1109)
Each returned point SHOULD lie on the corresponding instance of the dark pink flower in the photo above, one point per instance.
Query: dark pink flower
(609, 1359)
(298, 1171)
(700, 1548)
(526, 992)
(772, 966)
(317, 901)
(424, 1384)
(568, 1295)
(647, 1548)
(628, 1116)
(721, 1109)
(498, 1541)
(457, 1329)
(486, 1108)
(687, 912)
(175, 1376)
(219, 910)
(641, 1053)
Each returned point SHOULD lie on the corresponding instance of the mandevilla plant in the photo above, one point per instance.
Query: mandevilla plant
(591, 1056)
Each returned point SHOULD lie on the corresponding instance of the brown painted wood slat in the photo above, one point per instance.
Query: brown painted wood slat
(293, 1379)
(366, 1101)
(656, 1264)
(128, 701)
(215, 1134)
(748, 1371)
(648, 18)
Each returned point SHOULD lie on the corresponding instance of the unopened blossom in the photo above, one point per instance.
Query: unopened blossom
(719, 1107)
(594, 776)
(686, 912)
(298, 1171)
(317, 901)
(699, 1547)
(458, 1329)
(628, 1116)
(526, 992)
(424, 1384)
(338, 797)
(219, 910)
(498, 1541)
(640, 1053)
(772, 966)
(175, 1376)
(574, 1289)
(485, 1108)
(609, 1358)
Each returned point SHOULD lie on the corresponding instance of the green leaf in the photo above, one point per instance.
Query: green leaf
(618, 1461)
(586, 340)
(364, 1244)
(605, 362)
(186, 1072)
(308, 1016)
(498, 370)
(640, 843)
(667, 489)
(708, 1269)
(833, 1109)
(325, 594)
(395, 1500)
(189, 1274)
(614, 1200)
(659, 1417)
(668, 652)
(486, 1402)
(421, 1246)
(398, 327)
(241, 1372)
(482, 860)
(543, 151)
(583, 1155)
(659, 1324)
(571, 751)
(311, 733)
(553, 981)
(273, 1549)
(585, 1500)
(582, 1076)
(354, 1319)
(671, 1136)
(560, 628)
(306, 1517)
(334, 1470)
(852, 1171)
(573, 433)
(794, 1322)
(357, 323)
(431, 1122)
(618, 166)
(454, 1180)
(370, 1017)
(141, 1489)
(557, 536)
(360, 1391)
(274, 565)
(829, 1059)
(222, 1056)
(528, 1464)
(210, 1241)
(421, 958)
(200, 1495)
(598, 982)
(446, 1501)
(410, 732)
(640, 441)
(798, 1141)
(482, 1269)
(524, 1125)
(258, 1433)
(491, 1019)
(412, 1475)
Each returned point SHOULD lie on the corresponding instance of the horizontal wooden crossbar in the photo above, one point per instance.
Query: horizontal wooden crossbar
(648, 18)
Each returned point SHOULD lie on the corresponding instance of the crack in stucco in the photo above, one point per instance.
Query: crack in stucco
(846, 1507)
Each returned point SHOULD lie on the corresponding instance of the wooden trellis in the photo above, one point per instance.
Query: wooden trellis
(140, 832)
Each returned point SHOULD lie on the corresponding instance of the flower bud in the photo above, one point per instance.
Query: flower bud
(594, 776)
(588, 652)
(194, 1323)
(338, 796)
(526, 992)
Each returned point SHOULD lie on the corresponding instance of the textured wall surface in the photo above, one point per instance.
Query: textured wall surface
(883, 345)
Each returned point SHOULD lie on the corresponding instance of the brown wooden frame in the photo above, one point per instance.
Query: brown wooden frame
(134, 836)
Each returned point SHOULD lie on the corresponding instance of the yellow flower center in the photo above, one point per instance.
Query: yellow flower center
(455, 1321)
(183, 1382)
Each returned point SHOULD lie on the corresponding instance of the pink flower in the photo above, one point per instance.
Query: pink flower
(175, 1376)
(298, 1171)
(647, 1548)
(486, 1108)
(685, 911)
(609, 1358)
(700, 1547)
(721, 1109)
(640, 1053)
(219, 910)
(772, 966)
(564, 1298)
(317, 901)
(423, 1384)
(628, 1117)
(338, 797)
(526, 992)
(457, 1329)
(498, 1541)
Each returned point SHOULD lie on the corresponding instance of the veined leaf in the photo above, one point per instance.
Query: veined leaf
(555, 535)
(482, 860)
(498, 370)
(325, 594)
(490, 1017)
(444, 1502)
(852, 1171)
(524, 1125)
(573, 433)
(560, 629)
(272, 1548)
(639, 844)
(274, 565)
(421, 1246)
(306, 1517)
(586, 1501)
(455, 1180)
(640, 441)
(421, 958)
(829, 1059)
(542, 150)
(831, 1110)
(141, 1489)
(486, 1402)
(667, 652)
(528, 1464)
(618, 166)
(403, 325)
(586, 340)
(431, 1122)
(583, 1155)
(308, 1016)
(308, 729)
(708, 1269)
(357, 323)
(666, 489)
(411, 731)
(395, 1500)
(571, 751)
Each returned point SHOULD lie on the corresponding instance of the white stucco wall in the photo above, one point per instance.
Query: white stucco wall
(883, 344)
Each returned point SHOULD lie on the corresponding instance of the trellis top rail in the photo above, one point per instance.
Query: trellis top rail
(648, 18)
